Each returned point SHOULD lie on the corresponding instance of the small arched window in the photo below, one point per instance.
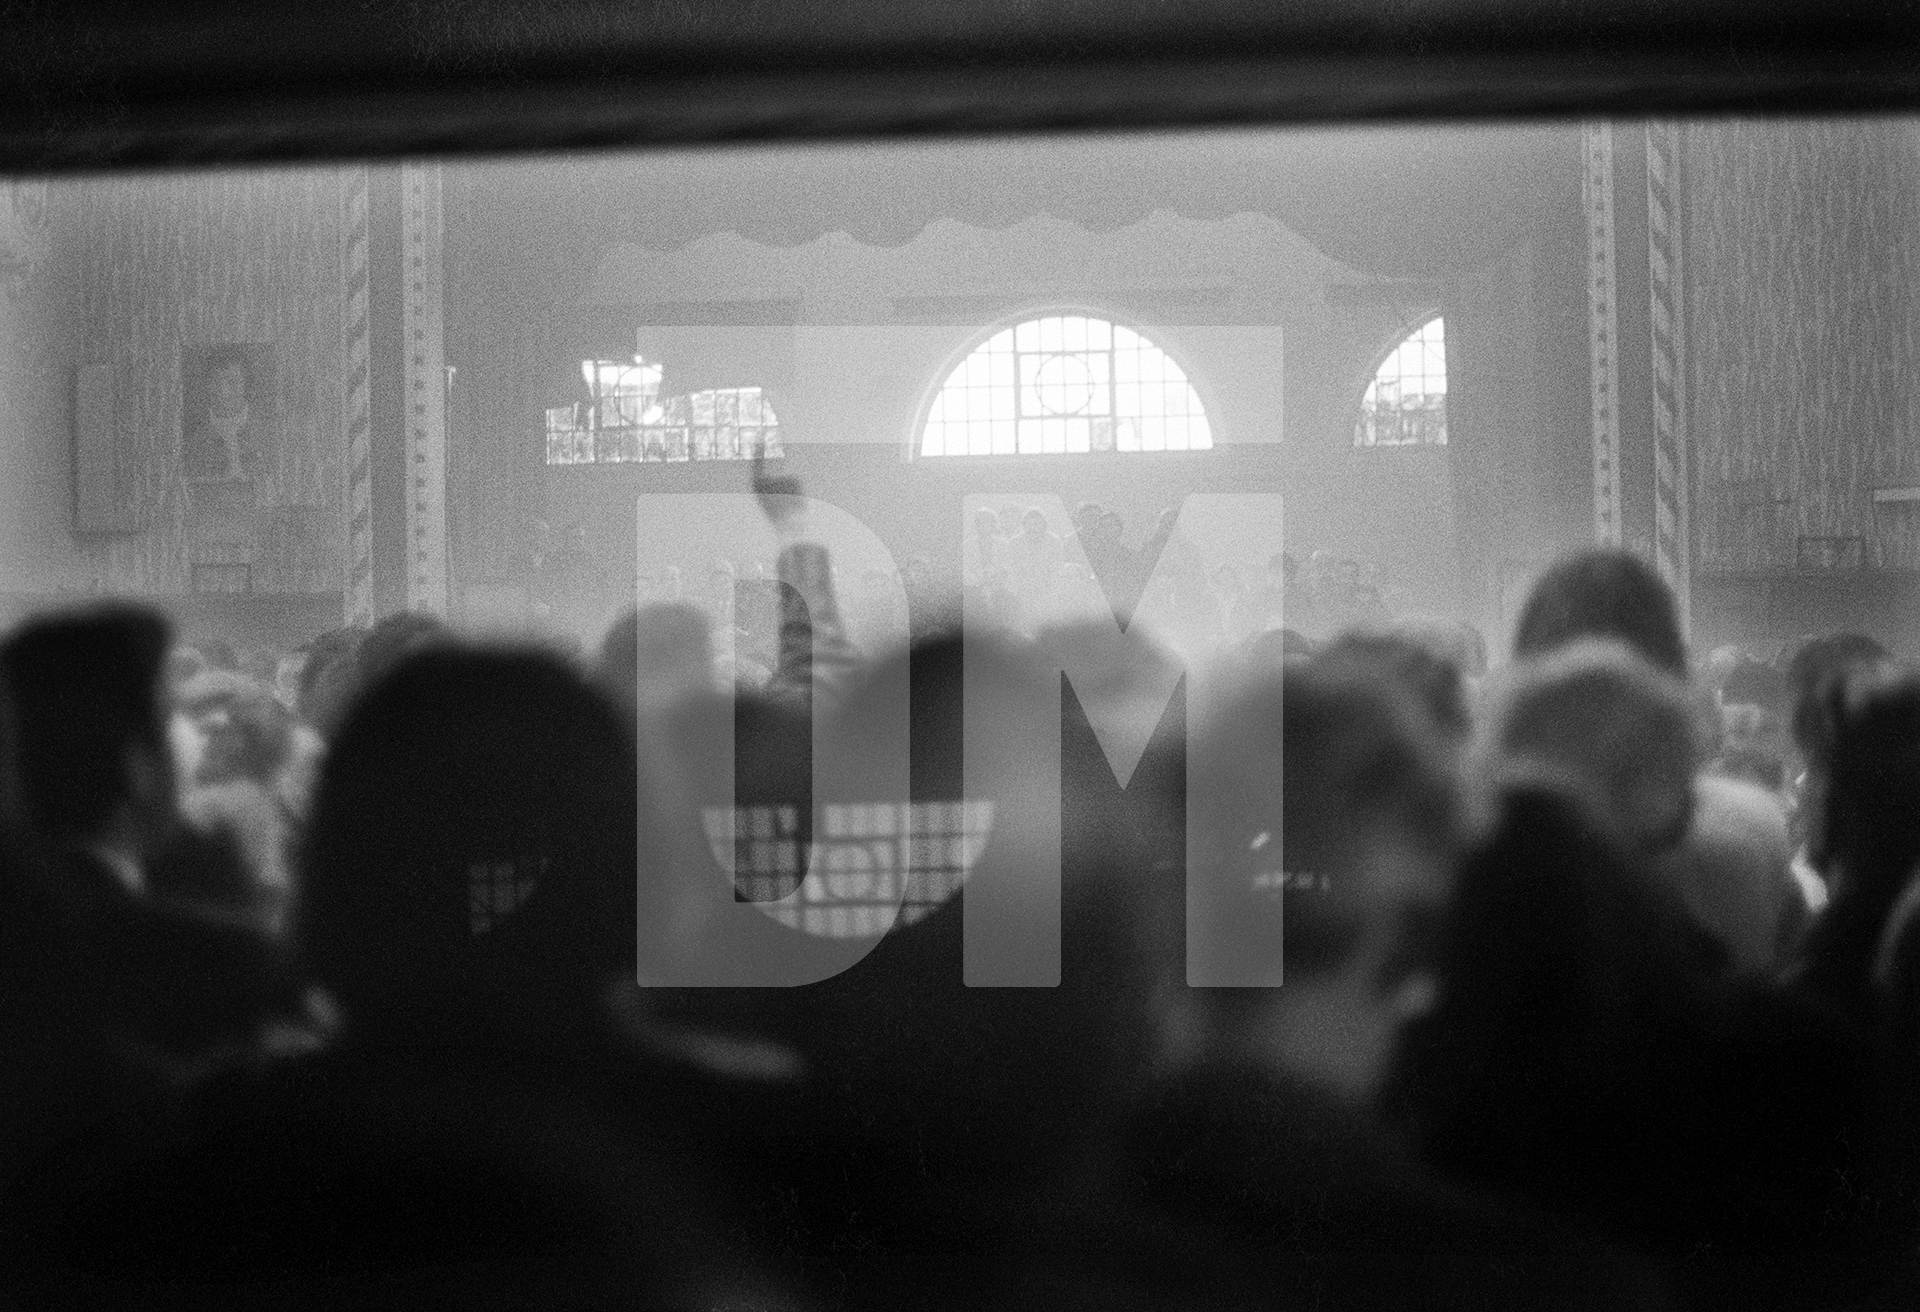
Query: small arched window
(1406, 403)
(1065, 384)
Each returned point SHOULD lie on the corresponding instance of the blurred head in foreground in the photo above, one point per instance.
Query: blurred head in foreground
(1361, 855)
(470, 839)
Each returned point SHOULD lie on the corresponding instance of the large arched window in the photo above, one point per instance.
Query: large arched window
(628, 420)
(1406, 403)
(1063, 384)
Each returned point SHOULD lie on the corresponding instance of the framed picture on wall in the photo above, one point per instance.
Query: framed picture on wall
(229, 412)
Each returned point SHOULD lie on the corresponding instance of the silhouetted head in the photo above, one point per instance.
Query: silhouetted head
(656, 656)
(1600, 715)
(1870, 826)
(1555, 948)
(997, 1083)
(1361, 855)
(327, 678)
(90, 722)
(392, 640)
(1604, 594)
(473, 833)
(1418, 664)
(1815, 665)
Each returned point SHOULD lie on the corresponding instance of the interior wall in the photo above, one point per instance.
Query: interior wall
(1278, 343)
(1803, 247)
(38, 553)
(163, 265)
(1803, 250)
(1519, 413)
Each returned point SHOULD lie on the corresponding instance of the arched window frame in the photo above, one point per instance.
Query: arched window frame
(1409, 327)
(1164, 340)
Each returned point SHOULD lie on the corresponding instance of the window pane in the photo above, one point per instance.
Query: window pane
(1038, 388)
(1406, 404)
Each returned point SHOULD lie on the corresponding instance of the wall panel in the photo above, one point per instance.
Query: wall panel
(1804, 242)
(170, 264)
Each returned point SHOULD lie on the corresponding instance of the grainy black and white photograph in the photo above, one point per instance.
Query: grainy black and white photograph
(1017, 655)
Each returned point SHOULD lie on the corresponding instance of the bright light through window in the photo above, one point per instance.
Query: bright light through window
(1065, 384)
(628, 421)
(1406, 403)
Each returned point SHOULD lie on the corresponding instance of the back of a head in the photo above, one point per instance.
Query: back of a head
(1360, 766)
(473, 830)
(1552, 894)
(1871, 825)
(1330, 893)
(1816, 664)
(1419, 661)
(327, 678)
(658, 653)
(619, 652)
(392, 640)
(1601, 715)
(1357, 750)
(1530, 887)
(996, 1080)
(1556, 953)
(85, 688)
(1603, 594)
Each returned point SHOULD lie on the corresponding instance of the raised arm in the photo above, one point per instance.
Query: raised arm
(815, 651)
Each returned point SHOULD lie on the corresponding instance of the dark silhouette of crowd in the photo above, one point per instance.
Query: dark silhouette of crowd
(362, 975)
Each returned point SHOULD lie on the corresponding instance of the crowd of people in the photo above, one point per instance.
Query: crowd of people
(1016, 573)
(359, 975)
(1019, 573)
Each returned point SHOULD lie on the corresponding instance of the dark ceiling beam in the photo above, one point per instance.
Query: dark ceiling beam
(95, 85)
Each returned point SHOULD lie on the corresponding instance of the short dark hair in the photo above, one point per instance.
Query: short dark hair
(1431, 680)
(1597, 711)
(1343, 748)
(1870, 825)
(328, 657)
(459, 761)
(667, 633)
(391, 640)
(84, 687)
(1816, 664)
(1603, 593)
